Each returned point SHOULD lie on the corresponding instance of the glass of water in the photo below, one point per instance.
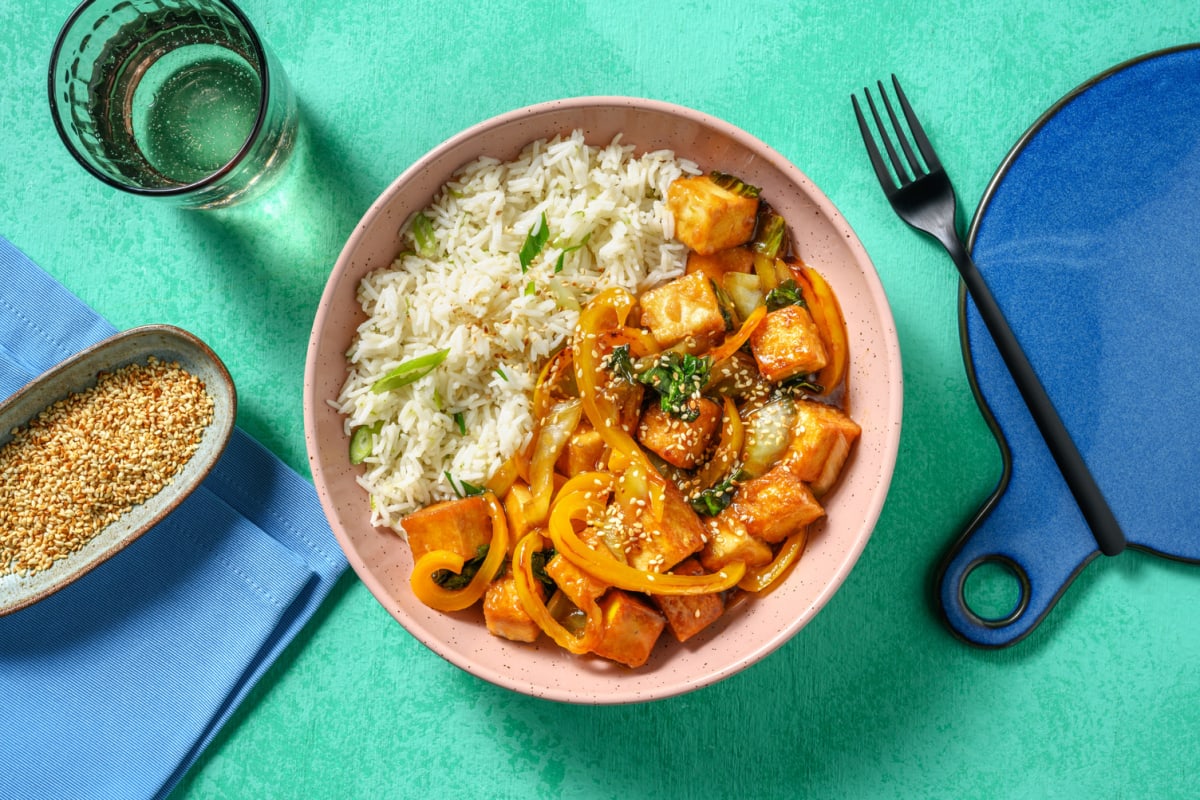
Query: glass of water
(177, 99)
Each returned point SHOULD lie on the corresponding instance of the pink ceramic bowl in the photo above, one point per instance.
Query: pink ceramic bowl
(821, 237)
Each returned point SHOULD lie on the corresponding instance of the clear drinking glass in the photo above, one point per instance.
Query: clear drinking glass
(177, 99)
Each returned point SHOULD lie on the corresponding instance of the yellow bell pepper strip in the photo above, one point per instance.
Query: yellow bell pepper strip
(608, 311)
(582, 498)
(729, 447)
(760, 579)
(554, 430)
(525, 582)
(508, 473)
(734, 341)
(431, 594)
(831, 324)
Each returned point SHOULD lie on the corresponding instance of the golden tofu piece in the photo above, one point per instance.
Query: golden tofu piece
(584, 452)
(576, 584)
(503, 613)
(822, 438)
(631, 628)
(657, 545)
(686, 306)
(460, 526)
(626, 397)
(681, 443)
(708, 217)
(729, 542)
(687, 615)
(787, 343)
(775, 504)
(715, 265)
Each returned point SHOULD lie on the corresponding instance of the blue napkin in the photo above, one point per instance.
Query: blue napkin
(113, 686)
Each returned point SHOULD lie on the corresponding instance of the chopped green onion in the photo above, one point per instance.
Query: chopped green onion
(530, 288)
(462, 488)
(535, 240)
(500, 372)
(410, 371)
(461, 422)
(558, 265)
(361, 441)
(422, 233)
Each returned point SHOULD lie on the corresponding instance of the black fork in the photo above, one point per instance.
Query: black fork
(922, 196)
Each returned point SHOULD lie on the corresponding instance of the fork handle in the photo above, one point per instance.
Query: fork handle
(1100, 518)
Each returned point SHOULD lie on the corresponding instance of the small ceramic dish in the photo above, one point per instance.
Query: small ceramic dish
(79, 373)
(821, 236)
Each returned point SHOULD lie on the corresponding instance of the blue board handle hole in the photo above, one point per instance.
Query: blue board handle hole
(994, 591)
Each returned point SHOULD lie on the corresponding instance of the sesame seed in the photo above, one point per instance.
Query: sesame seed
(89, 458)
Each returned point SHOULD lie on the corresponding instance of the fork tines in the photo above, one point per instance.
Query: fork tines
(914, 169)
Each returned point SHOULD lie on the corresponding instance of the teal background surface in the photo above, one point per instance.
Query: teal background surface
(874, 698)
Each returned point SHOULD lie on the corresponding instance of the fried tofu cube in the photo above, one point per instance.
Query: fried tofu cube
(715, 265)
(822, 438)
(504, 614)
(787, 343)
(687, 615)
(625, 397)
(576, 584)
(631, 629)
(728, 541)
(657, 545)
(709, 217)
(679, 442)
(584, 451)
(775, 504)
(460, 526)
(686, 306)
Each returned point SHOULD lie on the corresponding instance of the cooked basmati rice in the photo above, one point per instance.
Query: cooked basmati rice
(607, 224)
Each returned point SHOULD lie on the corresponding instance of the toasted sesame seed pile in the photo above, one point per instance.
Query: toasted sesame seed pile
(91, 457)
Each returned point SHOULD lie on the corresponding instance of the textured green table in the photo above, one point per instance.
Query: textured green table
(874, 698)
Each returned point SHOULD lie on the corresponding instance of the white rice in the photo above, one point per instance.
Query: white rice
(471, 298)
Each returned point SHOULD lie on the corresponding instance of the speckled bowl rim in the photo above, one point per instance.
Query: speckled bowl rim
(78, 373)
(755, 629)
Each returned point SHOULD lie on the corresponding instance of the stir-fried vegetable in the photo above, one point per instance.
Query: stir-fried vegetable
(734, 184)
(676, 377)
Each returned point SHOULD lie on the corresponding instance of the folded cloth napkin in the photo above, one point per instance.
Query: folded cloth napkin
(113, 686)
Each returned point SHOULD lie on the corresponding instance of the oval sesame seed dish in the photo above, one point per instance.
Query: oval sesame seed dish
(437, 372)
(98, 449)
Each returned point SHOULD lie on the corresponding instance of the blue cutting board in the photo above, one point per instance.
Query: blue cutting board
(1089, 237)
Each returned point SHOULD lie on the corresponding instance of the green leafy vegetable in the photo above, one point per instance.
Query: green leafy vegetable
(801, 384)
(530, 288)
(538, 562)
(423, 237)
(620, 362)
(733, 184)
(454, 581)
(676, 377)
(769, 233)
(361, 440)
(410, 371)
(535, 240)
(462, 488)
(785, 294)
(716, 498)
